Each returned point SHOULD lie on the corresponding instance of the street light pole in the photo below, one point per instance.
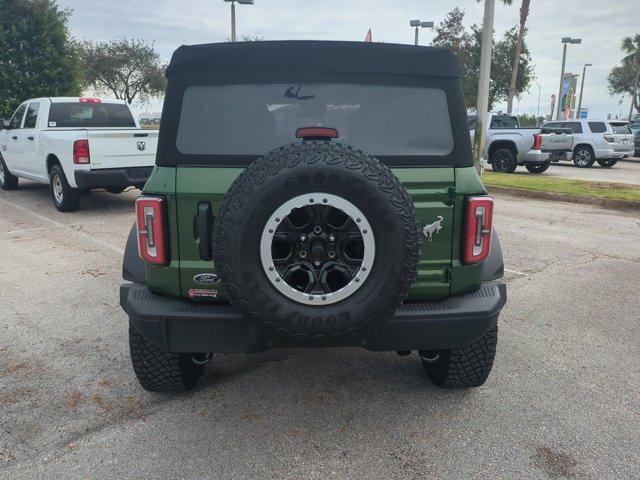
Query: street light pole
(584, 72)
(565, 41)
(538, 112)
(418, 24)
(482, 105)
(233, 15)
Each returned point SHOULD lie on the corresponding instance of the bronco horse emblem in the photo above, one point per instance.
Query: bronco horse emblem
(434, 228)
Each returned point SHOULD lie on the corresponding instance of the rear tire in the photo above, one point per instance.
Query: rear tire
(158, 371)
(607, 162)
(538, 167)
(583, 157)
(7, 181)
(503, 160)
(65, 198)
(462, 367)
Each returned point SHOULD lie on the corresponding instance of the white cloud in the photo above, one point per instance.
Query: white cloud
(600, 24)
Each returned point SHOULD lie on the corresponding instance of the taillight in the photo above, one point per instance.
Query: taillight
(537, 141)
(151, 230)
(477, 236)
(609, 138)
(310, 133)
(81, 153)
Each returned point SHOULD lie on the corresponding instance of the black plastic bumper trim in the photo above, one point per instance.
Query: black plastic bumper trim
(178, 326)
(112, 177)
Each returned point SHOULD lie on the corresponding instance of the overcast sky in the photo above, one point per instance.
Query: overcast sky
(170, 23)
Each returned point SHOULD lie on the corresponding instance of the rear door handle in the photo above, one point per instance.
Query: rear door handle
(15, 137)
(29, 138)
(204, 230)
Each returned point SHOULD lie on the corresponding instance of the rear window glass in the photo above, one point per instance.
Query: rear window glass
(597, 127)
(254, 119)
(504, 121)
(87, 115)
(621, 128)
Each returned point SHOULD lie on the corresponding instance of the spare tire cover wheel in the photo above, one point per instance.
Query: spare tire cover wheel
(316, 239)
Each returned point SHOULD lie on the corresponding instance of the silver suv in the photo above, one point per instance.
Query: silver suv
(597, 140)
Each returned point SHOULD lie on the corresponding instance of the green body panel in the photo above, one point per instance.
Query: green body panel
(435, 192)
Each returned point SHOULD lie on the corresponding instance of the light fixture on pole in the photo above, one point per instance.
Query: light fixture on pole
(233, 15)
(565, 41)
(418, 24)
(584, 72)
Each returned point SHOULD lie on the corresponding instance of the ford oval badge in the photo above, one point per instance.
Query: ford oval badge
(206, 278)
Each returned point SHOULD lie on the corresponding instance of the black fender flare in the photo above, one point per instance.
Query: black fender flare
(493, 266)
(132, 265)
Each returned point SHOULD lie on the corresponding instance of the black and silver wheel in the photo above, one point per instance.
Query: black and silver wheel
(314, 241)
(607, 162)
(503, 160)
(7, 181)
(464, 367)
(317, 249)
(583, 157)
(538, 167)
(65, 198)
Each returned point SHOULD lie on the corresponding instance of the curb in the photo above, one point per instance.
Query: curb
(610, 203)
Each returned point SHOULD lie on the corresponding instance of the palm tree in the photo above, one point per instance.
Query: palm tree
(631, 46)
(524, 13)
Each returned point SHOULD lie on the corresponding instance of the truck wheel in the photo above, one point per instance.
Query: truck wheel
(462, 367)
(538, 167)
(583, 157)
(503, 160)
(315, 240)
(158, 371)
(65, 198)
(607, 162)
(7, 181)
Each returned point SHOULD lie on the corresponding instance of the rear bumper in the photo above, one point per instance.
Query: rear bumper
(536, 156)
(112, 177)
(181, 326)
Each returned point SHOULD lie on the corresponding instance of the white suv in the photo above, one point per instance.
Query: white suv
(597, 140)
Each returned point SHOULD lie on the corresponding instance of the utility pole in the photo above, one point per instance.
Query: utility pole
(482, 105)
(584, 72)
(565, 41)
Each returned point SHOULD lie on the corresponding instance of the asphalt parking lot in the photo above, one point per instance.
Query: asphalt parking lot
(562, 401)
(625, 171)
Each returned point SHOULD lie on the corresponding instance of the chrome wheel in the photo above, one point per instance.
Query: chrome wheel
(58, 191)
(583, 158)
(317, 249)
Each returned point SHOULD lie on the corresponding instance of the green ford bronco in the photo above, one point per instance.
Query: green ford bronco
(313, 194)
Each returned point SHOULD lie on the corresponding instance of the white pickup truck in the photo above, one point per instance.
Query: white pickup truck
(75, 145)
(509, 145)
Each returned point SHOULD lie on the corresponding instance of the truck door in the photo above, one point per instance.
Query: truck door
(11, 146)
(29, 150)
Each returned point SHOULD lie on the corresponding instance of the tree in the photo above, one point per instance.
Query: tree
(466, 45)
(128, 69)
(522, 31)
(631, 46)
(622, 81)
(37, 57)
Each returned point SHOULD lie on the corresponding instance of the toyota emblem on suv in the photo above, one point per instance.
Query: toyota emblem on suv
(142, 146)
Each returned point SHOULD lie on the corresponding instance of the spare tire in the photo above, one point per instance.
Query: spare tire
(314, 240)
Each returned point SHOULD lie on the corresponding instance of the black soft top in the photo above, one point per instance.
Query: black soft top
(314, 56)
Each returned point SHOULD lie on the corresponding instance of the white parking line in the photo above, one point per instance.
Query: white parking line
(84, 235)
(516, 272)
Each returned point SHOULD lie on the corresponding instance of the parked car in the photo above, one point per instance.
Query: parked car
(596, 140)
(266, 224)
(509, 145)
(75, 145)
(635, 129)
